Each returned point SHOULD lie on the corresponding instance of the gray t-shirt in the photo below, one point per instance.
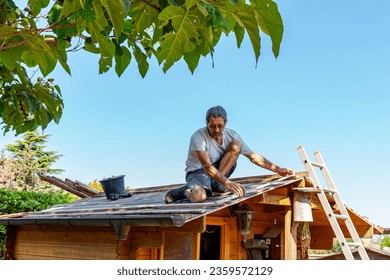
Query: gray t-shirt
(202, 141)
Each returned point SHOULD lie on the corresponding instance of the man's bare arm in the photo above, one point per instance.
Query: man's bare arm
(261, 161)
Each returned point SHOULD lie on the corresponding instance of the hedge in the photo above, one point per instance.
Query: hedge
(12, 201)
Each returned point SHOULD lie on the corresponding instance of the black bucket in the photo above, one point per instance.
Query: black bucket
(114, 185)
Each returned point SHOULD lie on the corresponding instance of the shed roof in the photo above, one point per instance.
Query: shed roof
(146, 206)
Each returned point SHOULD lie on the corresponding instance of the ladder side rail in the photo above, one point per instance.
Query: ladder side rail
(336, 196)
(326, 206)
(363, 253)
(335, 226)
(350, 226)
(309, 167)
(325, 172)
(341, 206)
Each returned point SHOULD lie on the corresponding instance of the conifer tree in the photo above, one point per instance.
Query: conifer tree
(30, 157)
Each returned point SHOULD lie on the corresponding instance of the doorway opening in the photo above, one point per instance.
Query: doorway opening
(210, 243)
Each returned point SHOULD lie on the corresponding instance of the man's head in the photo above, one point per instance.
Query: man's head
(216, 119)
(216, 112)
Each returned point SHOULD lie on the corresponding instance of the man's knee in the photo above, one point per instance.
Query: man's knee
(235, 147)
(197, 194)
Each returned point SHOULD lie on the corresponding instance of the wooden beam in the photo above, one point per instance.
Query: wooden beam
(196, 246)
(225, 242)
(61, 184)
(14, 215)
(290, 237)
(146, 239)
(273, 199)
(83, 187)
(218, 221)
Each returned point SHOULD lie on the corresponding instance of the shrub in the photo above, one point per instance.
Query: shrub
(12, 201)
(385, 242)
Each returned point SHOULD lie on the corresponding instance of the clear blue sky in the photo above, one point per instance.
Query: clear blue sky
(327, 91)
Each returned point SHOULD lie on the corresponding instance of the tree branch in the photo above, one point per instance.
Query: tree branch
(149, 4)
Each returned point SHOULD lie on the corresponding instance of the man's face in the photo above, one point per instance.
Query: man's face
(216, 127)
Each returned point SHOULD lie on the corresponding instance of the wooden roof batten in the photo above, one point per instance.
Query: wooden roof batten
(74, 187)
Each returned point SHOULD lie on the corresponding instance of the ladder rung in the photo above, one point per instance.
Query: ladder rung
(329, 191)
(354, 244)
(317, 164)
(341, 217)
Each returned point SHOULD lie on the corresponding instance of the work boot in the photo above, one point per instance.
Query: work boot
(176, 194)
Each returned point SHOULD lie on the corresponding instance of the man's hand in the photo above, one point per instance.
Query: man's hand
(285, 171)
(235, 187)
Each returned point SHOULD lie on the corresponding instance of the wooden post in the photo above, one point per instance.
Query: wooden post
(290, 237)
(196, 246)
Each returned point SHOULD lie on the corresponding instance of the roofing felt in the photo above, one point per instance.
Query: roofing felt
(146, 206)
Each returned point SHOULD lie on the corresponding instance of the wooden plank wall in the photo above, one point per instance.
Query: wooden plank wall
(99, 243)
(178, 246)
(62, 242)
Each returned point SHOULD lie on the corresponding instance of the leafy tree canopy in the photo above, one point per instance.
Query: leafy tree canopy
(41, 34)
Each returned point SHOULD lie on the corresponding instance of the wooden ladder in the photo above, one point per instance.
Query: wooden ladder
(333, 217)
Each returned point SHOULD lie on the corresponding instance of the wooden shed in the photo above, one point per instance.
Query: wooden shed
(143, 227)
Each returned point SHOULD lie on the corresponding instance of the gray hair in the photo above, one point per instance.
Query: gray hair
(216, 112)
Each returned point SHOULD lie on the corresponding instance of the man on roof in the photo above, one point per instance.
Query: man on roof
(212, 158)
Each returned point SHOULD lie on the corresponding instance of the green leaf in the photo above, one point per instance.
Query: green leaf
(190, 4)
(62, 56)
(245, 16)
(41, 54)
(54, 13)
(192, 59)
(143, 16)
(71, 6)
(99, 35)
(239, 31)
(88, 13)
(37, 5)
(89, 46)
(105, 64)
(217, 20)
(10, 57)
(270, 22)
(117, 11)
(170, 50)
(141, 58)
(106, 47)
(122, 60)
(43, 116)
(52, 103)
(184, 37)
